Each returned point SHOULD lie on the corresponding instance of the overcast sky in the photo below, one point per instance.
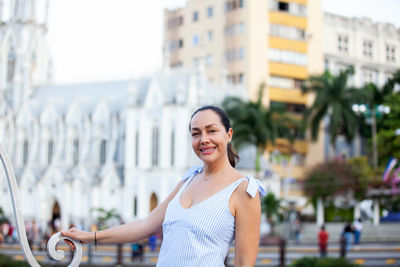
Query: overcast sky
(97, 40)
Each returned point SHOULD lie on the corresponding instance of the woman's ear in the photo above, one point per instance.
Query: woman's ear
(230, 134)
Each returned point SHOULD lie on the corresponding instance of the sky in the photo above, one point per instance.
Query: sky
(99, 40)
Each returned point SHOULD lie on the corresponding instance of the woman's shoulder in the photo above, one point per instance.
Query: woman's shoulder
(191, 172)
(249, 186)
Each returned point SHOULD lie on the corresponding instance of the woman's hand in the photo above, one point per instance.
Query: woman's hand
(81, 236)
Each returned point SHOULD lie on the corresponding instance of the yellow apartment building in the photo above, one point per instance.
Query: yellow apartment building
(249, 42)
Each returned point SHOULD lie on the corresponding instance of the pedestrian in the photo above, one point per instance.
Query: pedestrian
(323, 237)
(347, 234)
(297, 231)
(210, 207)
(357, 226)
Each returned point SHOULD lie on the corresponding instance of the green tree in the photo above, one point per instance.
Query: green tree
(105, 217)
(388, 141)
(254, 124)
(333, 99)
(270, 206)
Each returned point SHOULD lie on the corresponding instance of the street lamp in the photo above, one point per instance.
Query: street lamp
(374, 111)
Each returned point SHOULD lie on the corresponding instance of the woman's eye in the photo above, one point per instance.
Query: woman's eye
(195, 134)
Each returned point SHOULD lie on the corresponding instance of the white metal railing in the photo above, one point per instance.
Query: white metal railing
(51, 245)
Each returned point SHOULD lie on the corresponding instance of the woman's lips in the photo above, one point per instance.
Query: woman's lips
(207, 150)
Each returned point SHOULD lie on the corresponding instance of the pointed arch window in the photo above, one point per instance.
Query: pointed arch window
(103, 151)
(25, 152)
(11, 65)
(154, 147)
(50, 150)
(75, 155)
(137, 148)
(173, 147)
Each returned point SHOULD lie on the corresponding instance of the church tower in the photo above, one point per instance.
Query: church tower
(24, 58)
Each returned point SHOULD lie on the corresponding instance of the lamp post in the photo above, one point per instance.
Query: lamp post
(374, 111)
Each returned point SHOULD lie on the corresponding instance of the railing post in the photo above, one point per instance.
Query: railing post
(343, 247)
(282, 251)
(119, 254)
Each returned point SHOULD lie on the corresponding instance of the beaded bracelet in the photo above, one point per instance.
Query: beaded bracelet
(95, 240)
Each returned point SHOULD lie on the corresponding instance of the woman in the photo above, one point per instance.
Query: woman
(210, 207)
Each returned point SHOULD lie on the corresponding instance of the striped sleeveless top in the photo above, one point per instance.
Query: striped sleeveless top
(200, 235)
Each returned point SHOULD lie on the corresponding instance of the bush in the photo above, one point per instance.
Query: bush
(322, 262)
(7, 261)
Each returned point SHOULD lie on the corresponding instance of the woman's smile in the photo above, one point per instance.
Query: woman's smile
(207, 150)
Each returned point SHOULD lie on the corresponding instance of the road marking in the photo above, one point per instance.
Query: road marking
(40, 257)
(19, 257)
(108, 259)
(359, 261)
(85, 258)
(266, 261)
(390, 261)
(154, 259)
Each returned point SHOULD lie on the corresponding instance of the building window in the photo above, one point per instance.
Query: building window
(195, 62)
(370, 76)
(210, 36)
(154, 147)
(367, 48)
(137, 148)
(287, 32)
(283, 6)
(234, 54)
(25, 152)
(175, 44)
(326, 64)
(195, 16)
(209, 60)
(241, 3)
(195, 40)
(343, 43)
(210, 12)
(103, 151)
(172, 148)
(390, 53)
(175, 22)
(234, 29)
(75, 156)
(50, 147)
(288, 57)
(241, 52)
(241, 78)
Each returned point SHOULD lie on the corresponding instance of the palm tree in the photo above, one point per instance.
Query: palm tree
(334, 99)
(375, 96)
(270, 206)
(254, 124)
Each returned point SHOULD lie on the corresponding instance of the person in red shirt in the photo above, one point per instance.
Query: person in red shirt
(323, 237)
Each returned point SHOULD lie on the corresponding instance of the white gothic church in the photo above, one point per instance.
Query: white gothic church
(75, 147)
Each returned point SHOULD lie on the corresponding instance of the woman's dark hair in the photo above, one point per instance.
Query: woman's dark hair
(232, 154)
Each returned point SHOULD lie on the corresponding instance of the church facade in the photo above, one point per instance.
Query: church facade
(119, 145)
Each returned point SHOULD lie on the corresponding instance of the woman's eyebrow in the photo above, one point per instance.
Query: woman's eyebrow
(207, 126)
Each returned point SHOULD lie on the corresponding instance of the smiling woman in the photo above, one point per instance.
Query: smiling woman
(213, 205)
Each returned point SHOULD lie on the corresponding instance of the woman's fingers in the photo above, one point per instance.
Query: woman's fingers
(70, 244)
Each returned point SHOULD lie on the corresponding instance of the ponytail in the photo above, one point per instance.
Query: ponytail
(232, 155)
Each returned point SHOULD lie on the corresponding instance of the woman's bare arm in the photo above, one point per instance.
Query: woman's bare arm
(129, 232)
(247, 212)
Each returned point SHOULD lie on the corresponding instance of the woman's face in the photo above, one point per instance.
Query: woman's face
(209, 137)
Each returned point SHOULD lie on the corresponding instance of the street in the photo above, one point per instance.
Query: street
(368, 254)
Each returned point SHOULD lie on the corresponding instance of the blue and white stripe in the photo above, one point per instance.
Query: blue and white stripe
(201, 235)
